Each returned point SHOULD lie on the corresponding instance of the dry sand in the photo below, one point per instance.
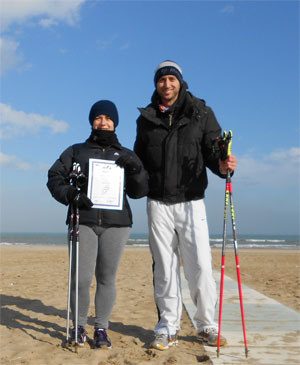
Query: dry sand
(34, 296)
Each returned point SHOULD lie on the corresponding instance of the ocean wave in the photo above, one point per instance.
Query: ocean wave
(259, 245)
(142, 240)
(138, 240)
(249, 240)
(259, 240)
(13, 243)
(145, 244)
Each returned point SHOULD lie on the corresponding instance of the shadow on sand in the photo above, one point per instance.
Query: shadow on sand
(13, 315)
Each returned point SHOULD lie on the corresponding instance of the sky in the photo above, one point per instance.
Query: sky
(58, 57)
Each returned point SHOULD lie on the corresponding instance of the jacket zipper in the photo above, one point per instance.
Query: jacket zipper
(100, 211)
(170, 124)
(170, 119)
(100, 217)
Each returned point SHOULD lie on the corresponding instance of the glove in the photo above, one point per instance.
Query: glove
(129, 163)
(79, 198)
(83, 201)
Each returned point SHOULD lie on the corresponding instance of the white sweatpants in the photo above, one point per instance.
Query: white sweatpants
(173, 228)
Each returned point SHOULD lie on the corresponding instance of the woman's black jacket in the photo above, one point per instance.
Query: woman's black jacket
(135, 184)
(177, 146)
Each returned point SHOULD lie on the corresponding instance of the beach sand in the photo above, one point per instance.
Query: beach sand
(34, 297)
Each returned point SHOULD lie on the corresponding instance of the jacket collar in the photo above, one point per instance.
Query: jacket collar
(93, 144)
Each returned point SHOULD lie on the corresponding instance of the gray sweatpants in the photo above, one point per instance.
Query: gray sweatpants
(100, 251)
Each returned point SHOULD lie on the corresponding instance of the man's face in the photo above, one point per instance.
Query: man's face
(168, 87)
(103, 122)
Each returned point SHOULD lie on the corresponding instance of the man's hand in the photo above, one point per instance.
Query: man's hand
(230, 163)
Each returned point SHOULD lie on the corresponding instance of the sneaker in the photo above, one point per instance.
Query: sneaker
(81, 336)
(210, 335)
(163, 342)
(101, 340)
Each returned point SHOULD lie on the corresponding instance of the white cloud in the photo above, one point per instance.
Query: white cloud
(63, 50)
(228, 9)
(47, 22)
(292, 155)
(10, 55)
(279, 168)
(23, 67)
(13, 162)
(46, 13)
(106, 43)
(20, 11)
(125, 46)
(42, 166)
(14, 122)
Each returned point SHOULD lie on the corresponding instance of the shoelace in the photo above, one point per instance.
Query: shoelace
(161, 336)
(211, 330)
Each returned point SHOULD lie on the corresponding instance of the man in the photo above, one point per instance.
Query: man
(103, 233)
(176, 141)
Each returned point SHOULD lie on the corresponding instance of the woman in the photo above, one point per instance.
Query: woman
(103, 233)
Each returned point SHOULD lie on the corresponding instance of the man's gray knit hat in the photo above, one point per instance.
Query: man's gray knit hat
(168, 68)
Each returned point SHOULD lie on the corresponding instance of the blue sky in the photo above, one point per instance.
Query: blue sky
(59, 57)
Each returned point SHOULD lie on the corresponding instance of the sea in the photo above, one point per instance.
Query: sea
(141, 240)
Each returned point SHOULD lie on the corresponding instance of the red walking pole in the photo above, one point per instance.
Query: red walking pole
(223, 264)
(225, 143)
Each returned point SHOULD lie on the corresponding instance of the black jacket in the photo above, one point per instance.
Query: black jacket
(177, 146)
(136, 185)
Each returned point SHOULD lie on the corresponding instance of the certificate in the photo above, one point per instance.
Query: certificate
(105, 184)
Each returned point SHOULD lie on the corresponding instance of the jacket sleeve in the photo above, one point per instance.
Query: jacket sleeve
(58, 182)
(139, 146)
(136, 184)
(209, 144)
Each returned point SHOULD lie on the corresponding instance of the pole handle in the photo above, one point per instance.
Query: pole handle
(230, 134)
(225, 145)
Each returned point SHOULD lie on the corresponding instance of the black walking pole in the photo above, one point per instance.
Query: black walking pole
(71, 233)
(76, 273)
(76, 178)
